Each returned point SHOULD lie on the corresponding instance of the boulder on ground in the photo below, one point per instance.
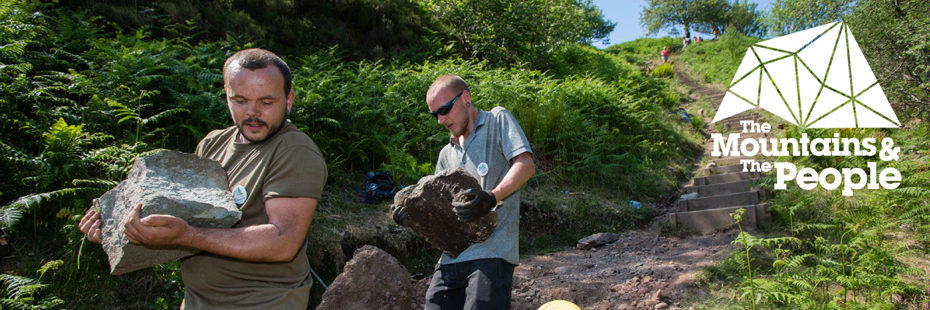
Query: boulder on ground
(167, 182)
(373, 279)
(428, 205)
(597, 240)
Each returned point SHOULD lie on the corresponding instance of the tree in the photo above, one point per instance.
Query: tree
(669, 14)
(507, 32)
(789, 16)
(702, 15)
(710, 14)
(743, 17)
(893, 36)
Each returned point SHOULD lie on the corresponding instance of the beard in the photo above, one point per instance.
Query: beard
(272, 129)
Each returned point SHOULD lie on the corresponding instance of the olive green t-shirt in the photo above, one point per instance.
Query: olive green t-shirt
(288, 164)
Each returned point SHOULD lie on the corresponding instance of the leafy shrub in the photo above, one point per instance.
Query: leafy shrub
(361, 28)
(27, 293)
(577, 59)
(79, 107)
(887, 31)
(519, 32)
(718, 60)
(664, 71)
(640, 50)
(367, 113)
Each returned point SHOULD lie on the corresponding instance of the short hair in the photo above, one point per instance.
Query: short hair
(256, 58)
(451, 81)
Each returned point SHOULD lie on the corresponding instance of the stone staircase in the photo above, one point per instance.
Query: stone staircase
(720, 188)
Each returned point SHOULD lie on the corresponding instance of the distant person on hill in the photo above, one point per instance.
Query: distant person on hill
(716, 32)
(276, 174)
(491, 146)
(664, 54)
(684, 42)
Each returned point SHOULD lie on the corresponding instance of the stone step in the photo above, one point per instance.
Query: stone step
(730, 126)
(707, 153)
(709, 143)
(735, 122)
(725, 178)
(728, 161)
(717, 169)
(720, 201)
(714, 220)
(748, 114)
(719, 189)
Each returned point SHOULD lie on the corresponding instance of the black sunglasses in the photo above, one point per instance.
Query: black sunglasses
(444, 109)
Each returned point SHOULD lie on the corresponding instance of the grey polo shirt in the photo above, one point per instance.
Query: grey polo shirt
(496, 139)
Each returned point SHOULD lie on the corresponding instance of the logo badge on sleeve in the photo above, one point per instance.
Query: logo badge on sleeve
(239, 194)
(483, 169)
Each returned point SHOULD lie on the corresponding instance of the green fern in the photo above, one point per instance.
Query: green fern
(9, 216)
(26, 293)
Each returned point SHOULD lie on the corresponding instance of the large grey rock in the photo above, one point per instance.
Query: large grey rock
(167, 182)
(373, 279)
(597, 240)
(429, 207)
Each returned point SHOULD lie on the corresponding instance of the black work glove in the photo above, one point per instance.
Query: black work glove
(480, 204)
(400, 215)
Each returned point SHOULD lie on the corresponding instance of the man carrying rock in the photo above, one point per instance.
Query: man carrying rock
(276, 174)
(491, 146)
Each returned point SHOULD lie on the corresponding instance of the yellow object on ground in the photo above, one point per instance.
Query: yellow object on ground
(559, 305)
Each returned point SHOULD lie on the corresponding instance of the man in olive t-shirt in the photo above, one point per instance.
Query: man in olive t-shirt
(276, 174)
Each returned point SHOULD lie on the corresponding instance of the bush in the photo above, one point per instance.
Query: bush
(664, 71)
(717, 61)
(361, 28)
(522, 33)
(368, 114)
(887, 31)
(640, 50)
(577, 59)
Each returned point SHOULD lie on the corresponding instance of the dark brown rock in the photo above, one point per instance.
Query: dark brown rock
(429, 207)
(167, 182)
(373, 279)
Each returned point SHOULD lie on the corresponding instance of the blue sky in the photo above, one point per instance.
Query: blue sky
(626, 14)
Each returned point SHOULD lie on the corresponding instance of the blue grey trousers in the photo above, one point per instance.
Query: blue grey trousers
(478, 284)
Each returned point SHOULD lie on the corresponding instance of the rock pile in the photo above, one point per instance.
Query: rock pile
(373, 279)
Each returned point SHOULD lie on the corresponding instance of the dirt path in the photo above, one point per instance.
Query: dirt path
(639, 271)
(642, 270)
(698, 88)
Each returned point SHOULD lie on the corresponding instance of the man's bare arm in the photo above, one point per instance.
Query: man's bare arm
(278, 241)
(520, 171)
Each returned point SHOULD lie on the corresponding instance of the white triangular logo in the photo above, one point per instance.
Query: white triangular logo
(815, 78)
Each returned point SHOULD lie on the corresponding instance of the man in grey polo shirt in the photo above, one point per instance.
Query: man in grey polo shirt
(491, 146)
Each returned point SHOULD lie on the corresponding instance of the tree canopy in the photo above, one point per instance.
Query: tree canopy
(787, 16)
(703, 16)
(669, 14)
(893, 35)
(520, 31)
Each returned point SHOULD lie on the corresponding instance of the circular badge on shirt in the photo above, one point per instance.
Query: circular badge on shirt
(483, 169)
(239, 194)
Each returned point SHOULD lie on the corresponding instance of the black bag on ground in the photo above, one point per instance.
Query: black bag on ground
(379, 185)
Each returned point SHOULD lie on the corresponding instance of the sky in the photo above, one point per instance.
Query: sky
(626, 14)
